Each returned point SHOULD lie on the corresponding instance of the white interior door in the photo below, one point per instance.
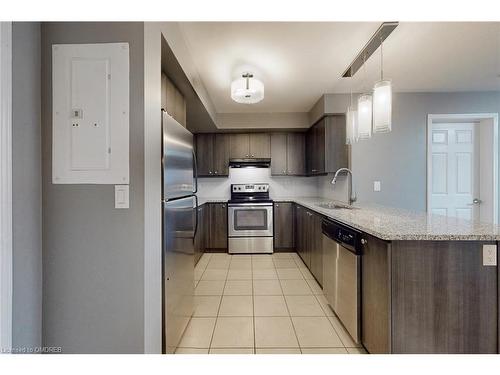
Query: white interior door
(454, 170)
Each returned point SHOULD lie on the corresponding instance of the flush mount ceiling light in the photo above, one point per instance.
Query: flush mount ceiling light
(247, 89)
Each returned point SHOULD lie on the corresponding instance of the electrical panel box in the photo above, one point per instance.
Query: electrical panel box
(90, 113)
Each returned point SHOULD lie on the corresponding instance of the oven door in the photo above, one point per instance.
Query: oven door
(250, 220)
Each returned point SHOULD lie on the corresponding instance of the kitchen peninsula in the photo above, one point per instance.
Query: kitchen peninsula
(425, 283)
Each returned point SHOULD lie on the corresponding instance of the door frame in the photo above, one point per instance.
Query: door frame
(466, 117)
(6, 186)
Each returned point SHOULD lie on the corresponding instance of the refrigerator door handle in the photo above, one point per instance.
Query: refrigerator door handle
(196, 218)
(195, 174)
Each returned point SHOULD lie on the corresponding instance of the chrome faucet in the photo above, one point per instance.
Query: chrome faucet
(351, 196)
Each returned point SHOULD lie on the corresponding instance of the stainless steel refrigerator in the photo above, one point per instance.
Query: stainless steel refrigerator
(179, 223)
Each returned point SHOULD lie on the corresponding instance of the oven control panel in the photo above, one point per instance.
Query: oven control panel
(250, 188)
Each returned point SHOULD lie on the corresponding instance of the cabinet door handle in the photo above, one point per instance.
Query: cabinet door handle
(209, 172)
(215, 172)
(253, 155)
(363, 241)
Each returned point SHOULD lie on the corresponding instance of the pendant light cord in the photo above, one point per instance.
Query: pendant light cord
(381, 60)
(365, 79)
(350, 99)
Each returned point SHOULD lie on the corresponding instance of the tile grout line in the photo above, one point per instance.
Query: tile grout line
(253, 307)
(290, 316)
(280, 281)
(317, 299)
(218, 311)
(191, 318)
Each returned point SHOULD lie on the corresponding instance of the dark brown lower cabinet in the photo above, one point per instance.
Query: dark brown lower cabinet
(302, 234)
(308, 240)
(284, 225)
(428, 297)
(376, 296)
(218, 226)
(200, 239)
(416, 296)
(316, 246)
(443, 299)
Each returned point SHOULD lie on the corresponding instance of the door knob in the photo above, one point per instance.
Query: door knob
(475, 201)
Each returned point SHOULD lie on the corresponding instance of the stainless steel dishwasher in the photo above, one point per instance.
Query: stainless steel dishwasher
(341, 274)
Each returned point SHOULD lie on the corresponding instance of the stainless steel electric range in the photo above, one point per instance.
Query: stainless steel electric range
(250, 219)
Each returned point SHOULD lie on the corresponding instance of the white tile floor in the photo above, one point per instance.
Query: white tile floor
(263, 304)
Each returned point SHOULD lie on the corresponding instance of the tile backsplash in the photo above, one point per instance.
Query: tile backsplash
(278, 186)
(336, 192)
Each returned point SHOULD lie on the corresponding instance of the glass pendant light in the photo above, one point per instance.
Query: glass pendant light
(364, 111)
(351, 123)
(382, 101)
(365, 116)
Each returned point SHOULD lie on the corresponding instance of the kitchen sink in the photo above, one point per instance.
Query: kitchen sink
(335, 205)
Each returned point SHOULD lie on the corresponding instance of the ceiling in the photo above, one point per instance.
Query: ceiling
(300, 61)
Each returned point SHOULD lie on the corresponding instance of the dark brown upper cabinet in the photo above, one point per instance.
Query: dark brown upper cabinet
(260, 145)
(204, 154)
(326, 150)
(212, 155)
(221, 155)
(239, 146)
(253, 145)
(288, 156)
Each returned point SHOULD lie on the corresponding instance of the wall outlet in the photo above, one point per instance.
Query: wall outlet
(489, 255)
(376, 185)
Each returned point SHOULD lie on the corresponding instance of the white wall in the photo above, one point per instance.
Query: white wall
(279, 187)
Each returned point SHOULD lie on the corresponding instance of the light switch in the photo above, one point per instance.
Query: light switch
(121, 196)
(376, 185)
(489, 255)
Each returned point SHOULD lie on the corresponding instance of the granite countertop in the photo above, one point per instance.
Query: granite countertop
(203, 200)
(398, 224)
(394, 224)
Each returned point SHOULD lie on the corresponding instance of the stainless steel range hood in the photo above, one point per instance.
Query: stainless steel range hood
(250, 163)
